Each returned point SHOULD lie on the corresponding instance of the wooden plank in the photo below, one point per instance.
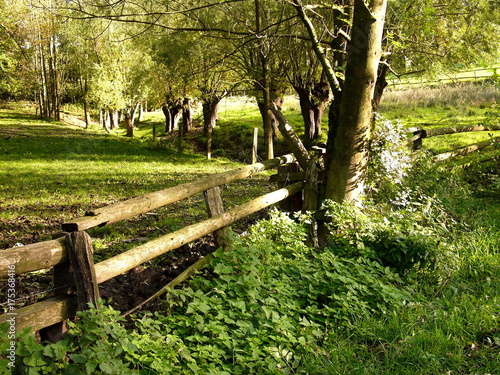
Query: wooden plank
(145, 203)
(291, 138)
(33, 257)
(80, 254)
(43, 314)
(460, 129)
(215, 206)
(465, 150)
(132, 258)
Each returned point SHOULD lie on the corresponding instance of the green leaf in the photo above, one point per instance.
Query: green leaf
(78, 358)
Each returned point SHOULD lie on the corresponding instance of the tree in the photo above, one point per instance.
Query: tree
(16, 78)
(346, 38)
(307, 78)
(351, 113)
(436, 36)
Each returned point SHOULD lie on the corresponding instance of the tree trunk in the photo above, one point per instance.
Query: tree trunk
(86, 103)
(313, 101)
(210, 114)
(352, 117)
(168, 121)
(56, 110)
(380, 85)
(141, 114)
(264, 85)
(172, 111)
(129, 125)
(105, 119)
(134, 112)
(187, 118)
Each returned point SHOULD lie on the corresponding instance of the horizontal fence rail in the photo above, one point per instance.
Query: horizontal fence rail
(420, 133)
(47, 254)
(421, 81)
(145, 203)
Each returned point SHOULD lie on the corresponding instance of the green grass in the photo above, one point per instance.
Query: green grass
(51, 172)
(447, 106)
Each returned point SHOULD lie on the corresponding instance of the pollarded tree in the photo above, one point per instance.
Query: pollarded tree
(307, 78)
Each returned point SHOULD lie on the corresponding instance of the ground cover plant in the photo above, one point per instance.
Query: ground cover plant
(272, 305)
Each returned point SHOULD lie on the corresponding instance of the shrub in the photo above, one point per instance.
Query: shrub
(394, 239)
(98, 343)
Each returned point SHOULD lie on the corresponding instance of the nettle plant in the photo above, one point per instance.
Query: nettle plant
(262, 308)
(394, 239)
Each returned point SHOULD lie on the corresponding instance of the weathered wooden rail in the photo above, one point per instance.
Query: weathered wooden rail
(419, 134)
(71, 254)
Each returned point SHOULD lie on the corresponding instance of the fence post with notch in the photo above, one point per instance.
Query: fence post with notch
(215, 206)
(75, 275)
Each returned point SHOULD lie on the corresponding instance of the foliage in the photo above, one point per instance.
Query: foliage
(260, 308)
(271, 300)
(99, 343)
(395, 239)
(432, 36)
(454, 329)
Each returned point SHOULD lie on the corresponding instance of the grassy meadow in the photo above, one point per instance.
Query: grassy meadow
(273, 306)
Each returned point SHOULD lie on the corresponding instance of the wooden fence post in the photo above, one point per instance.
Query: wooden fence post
(79, 246)
(215, 207)
(79, 272)
(418, 134)
(311, 197)
(254, 147)
(62, 284)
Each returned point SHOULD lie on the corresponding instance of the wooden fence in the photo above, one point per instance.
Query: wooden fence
(421, 81)
(419, 134)
(72, 250)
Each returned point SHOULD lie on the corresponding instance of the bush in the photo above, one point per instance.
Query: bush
(394, 239)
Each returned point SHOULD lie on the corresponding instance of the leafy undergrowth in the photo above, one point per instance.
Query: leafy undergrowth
(261, 308)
